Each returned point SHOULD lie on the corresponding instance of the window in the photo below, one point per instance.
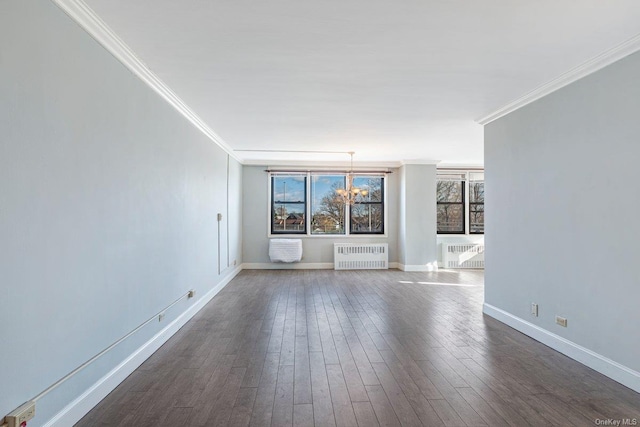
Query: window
(289, 207)
(450, 199)
(325, 214)
(367, 216)
(460, 202)
(476, 207)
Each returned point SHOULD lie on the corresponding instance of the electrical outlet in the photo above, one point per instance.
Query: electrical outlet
(562, 321)
(534, 309)
(20, 416)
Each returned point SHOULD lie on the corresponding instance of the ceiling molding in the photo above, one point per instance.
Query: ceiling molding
(98, 29)
(337, 163)
(594, 64)
(302, 164)
(420, 162)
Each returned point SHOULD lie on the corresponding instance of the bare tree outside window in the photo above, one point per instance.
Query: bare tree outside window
(450, 206)
(367, 216)
(327, 210)
(476, 207)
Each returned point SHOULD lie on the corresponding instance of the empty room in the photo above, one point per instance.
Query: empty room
(233, 213)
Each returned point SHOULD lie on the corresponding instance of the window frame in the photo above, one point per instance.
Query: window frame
(311, 175)
(461, 203)
(308, 220)
(382, 209)
(471, 211)
(466, 182)
(273, 203)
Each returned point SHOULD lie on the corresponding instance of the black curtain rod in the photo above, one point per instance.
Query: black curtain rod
(355, 172)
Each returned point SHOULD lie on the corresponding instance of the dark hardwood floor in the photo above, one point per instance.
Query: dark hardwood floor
(365, 348)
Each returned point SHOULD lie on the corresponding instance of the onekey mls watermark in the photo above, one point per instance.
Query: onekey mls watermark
(616, 422)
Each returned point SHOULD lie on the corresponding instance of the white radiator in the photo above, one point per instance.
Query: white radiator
(463, 255)
(369, 256)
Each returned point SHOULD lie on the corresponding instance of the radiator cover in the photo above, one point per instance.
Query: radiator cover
(467, 255)
(365, 256)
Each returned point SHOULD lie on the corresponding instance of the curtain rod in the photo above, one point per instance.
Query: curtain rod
(353, 172)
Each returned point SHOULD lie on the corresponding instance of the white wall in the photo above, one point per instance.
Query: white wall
(418, 218)
(316, 249)
(562, 219)
(108, 202)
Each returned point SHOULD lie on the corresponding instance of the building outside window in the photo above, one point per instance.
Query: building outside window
(367, 217)
(289, 204)
(308, 203)
(327, 212)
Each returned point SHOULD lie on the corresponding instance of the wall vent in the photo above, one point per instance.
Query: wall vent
(463, 255)
(369, 256)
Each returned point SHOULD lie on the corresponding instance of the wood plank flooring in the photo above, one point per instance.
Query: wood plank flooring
(358, 348)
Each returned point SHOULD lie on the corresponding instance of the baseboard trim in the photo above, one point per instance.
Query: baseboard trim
(612, 369)
(295, 266)
(79, 407)
(287, 266)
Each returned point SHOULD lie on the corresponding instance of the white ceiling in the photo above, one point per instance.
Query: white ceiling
(391, 80)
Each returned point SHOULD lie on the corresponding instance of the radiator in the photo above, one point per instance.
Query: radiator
(370, 256)
(463, 255)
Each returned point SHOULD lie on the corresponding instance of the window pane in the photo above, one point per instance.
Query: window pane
(450, 218)
(476, 218)
(367, 218)
(288, 217)
(477, 222)
(450, 191)
(373, 186)
(476, 192)
(327, 212)
(289, 188)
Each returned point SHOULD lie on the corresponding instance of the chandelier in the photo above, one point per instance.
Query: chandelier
(351, 194)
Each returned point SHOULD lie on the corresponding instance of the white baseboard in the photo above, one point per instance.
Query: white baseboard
(78, 408)
(299, 266)
(426, 267)
(595, 361)
(287, 266)
(296, 266)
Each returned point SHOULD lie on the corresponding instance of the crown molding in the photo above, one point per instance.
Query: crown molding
(594, 64)
(302, 164)
(419, 162)
(88, 20)
(461, 166)
(306, 164)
